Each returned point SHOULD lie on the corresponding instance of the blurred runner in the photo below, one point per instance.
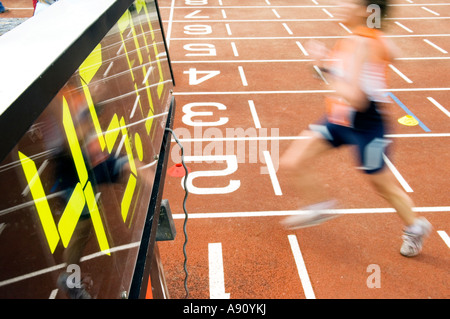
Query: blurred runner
(353, 117)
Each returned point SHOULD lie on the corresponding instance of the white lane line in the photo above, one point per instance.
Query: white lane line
(147, 75)
(306, 37)
(53, 294)
(345, 28)
(302, 91)
(268, 2)
(26, 190)
(397, 175)
(235, 51)
(435, 46)
(169, 28)
(320, 74)
(272, 173)
(439, 106)
(242, 74)
(444, 209)
(293, 60)
(403, 27)
(444, 237)
(296, 20)
(287, 29)
(300, 6)
(302, 48)
(301, 267)
(216, 273)
(275, 12)
(254, 114)
(62, 265)
(133, 110)
(282, 213)
(430, 11)
(327, 12)
(108, 69)
(224, 14)
(404, 77)
(227, 26)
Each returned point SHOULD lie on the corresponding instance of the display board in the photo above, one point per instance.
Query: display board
(76, 187)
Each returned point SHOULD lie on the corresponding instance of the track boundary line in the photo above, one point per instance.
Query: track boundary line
(301, 6)
(296, 20)
(295, 137)
(295, 60)
(301, 267)
(305, 37)
(342, 211)
(302, 91)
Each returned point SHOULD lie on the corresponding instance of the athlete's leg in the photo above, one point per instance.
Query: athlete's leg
(386, 186)
(297, 161)
(416, 228)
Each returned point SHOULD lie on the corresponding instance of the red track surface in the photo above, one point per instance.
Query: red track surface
(17, 8)
(258, 261)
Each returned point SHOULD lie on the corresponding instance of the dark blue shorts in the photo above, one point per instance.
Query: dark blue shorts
(370, 142)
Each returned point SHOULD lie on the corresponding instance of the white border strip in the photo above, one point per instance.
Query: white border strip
(397, 175)
(435, 46)
(435, 209)
(296, 60)
(272, 173)
(439, 106)
(404, 77)
(301, 91)
(444, 237)
(60, 266)
(306, 37)
(242, 75)
(301, 267)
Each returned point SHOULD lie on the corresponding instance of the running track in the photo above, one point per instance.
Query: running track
(259, 80)
(244, 65)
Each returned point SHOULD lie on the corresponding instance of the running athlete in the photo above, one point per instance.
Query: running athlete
(357, 75)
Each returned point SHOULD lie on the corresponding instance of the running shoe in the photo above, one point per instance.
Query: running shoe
(413, 241)
(312, 216)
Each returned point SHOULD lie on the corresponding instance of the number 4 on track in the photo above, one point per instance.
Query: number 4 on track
(195, 80)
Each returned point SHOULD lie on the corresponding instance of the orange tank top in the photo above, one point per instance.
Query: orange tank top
(372, 78)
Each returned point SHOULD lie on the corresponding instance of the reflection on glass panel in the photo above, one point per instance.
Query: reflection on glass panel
(76, 188)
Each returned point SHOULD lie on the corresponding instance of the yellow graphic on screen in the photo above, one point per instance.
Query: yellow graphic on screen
(83, 194)
(108, 139)
(40, 200)
(124, 23)
(87, 70)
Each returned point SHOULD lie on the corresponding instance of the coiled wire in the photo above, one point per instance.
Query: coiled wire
(185, 211)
